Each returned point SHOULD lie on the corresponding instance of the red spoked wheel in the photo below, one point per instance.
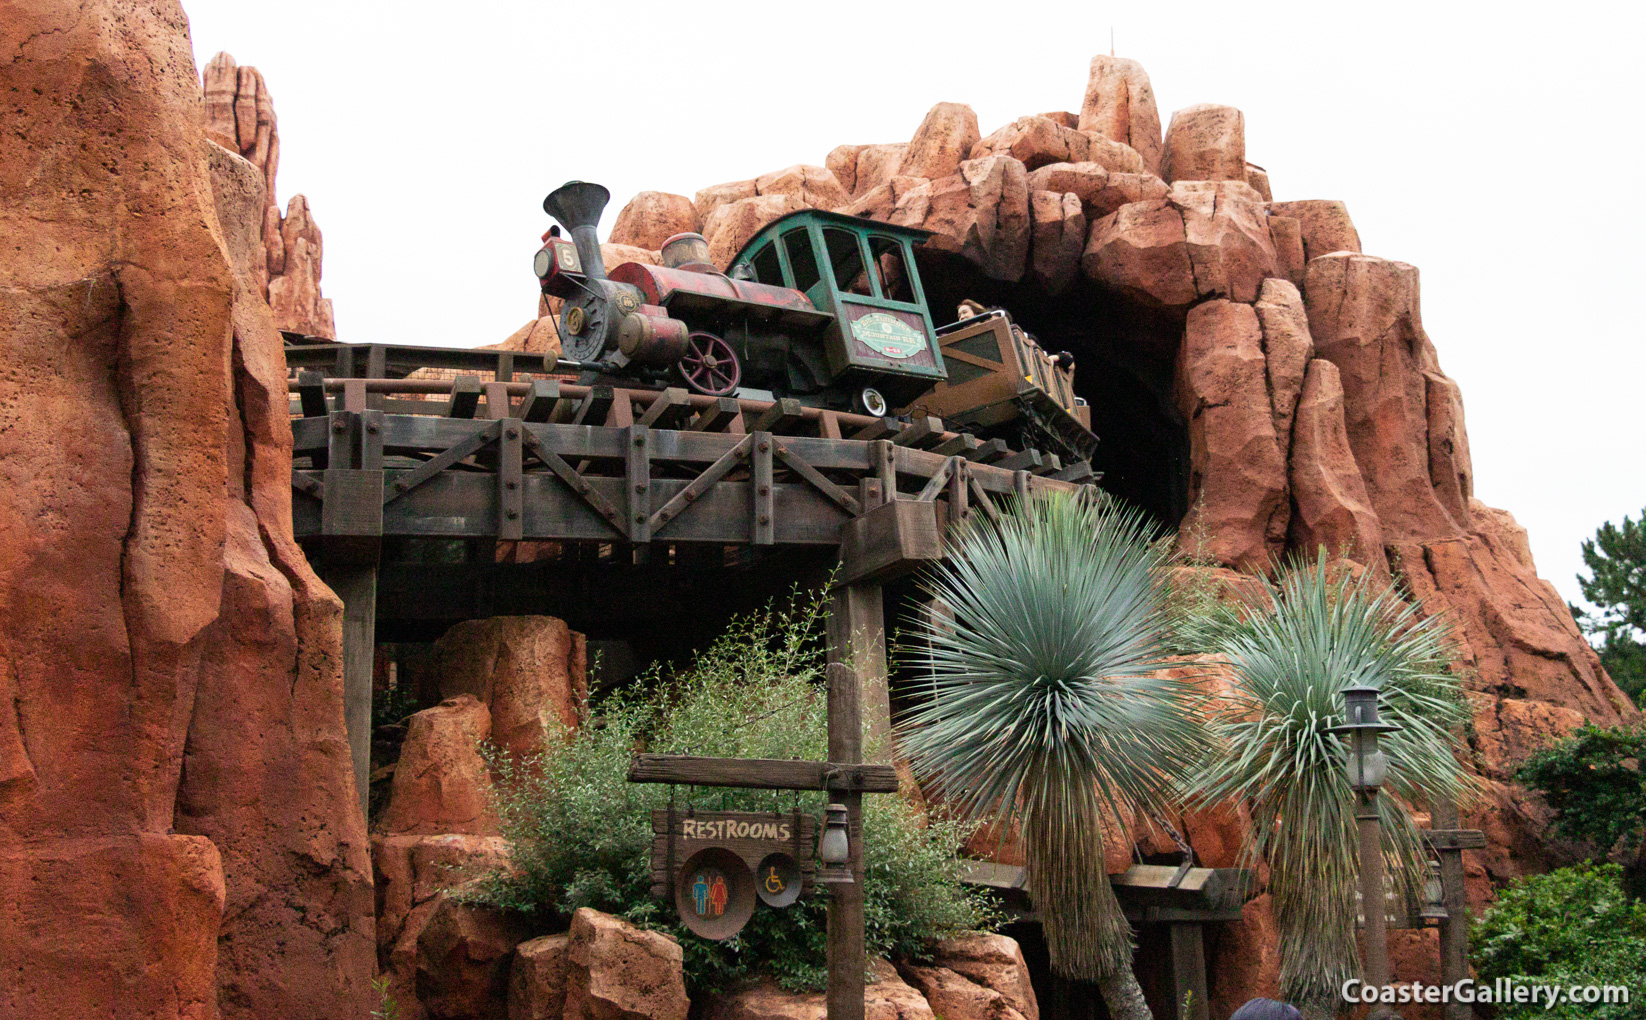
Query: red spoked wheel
(709, 365)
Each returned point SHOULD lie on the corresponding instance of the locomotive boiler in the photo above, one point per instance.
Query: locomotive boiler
(818, 306)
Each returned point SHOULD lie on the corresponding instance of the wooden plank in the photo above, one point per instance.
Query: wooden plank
(510, 474)
(595, 407)
(1188, 972)
(354, 395)
(699, 485)
(889, 541)
(923, 432)
(638, 478)
(1078, 472)
(465, 397)
(670, 410)
(883, 461)
(847, 956)
(371, 440)
(762, 773)
(816, 480)
(763, 514)
(307, 484)
(828, 425)
(880, 428)
(959, 504)
(716, 417)
(1454, 927)
(1026, 460)
(311, 393)
(936, 483)
(410, 480)
(540, 402)
(1454, 839)
(983, 501)
(621, 413)
(497, 400)
(354, 503)
(959, 445)
(578, 484)
(782, 418)
(1050, 464)
(989, 452)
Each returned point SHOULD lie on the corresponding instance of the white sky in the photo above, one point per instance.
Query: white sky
(1495, 147)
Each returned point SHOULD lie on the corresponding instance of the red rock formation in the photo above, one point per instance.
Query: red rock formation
(945, 138)
(240, 117)
(652, 217)
(1324, 226)
(441, 784)
(537, 979)
(528, 670)
(1119, 105)
(150, 585)
(615, 971)
(1206, 143)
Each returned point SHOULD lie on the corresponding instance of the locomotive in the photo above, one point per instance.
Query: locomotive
(818, 306)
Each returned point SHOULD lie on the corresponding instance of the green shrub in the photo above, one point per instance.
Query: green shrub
(1573, 926)
(580, 835)
(1593, 779)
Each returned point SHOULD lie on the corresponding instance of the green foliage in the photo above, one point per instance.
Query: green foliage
(1044, 704)
(580, 834)
(1593, 778)
(1290, 661)
(387, 1008)
(1573, 926)
(1616, 558)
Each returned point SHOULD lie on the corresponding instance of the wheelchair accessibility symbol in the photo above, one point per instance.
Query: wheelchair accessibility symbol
(777, 880)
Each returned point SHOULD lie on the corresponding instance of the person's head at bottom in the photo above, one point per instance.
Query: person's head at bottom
(1266, 1009)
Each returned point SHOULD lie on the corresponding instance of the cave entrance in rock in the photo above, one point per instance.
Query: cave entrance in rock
(1124, 361)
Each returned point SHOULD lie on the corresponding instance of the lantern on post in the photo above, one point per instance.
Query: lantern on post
(1367, 767)
(834, 849)
(1434, 895)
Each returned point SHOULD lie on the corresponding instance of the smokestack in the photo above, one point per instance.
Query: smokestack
(578, 205)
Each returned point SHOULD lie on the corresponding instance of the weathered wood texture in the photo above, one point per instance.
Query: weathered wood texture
(847, 953)
(800, 842)
(762, 773)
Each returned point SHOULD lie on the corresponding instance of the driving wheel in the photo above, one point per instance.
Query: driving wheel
(709, 365)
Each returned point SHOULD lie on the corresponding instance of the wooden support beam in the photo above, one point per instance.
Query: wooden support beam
(857, 639)
(670, 410)
(923, 432)
(762, 773)
(1188, 972)
(716, 417)
(1454, 928)
(311, 393)
(880, 428)
(497, 400)
(540, 402)
(638, 482)
(1026, 460)
(847, 956)
(889, 541)
(595, 406)
(465, 398)
(1050, 464)
(958, 446)
(764, 522)
(1079, 471)
(510, 482)
(356, 584)
(784, 416)
(988, 452)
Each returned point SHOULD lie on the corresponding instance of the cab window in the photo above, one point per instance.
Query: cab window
(765, 266)
(889, 262)
(846, 259)
(798, 244)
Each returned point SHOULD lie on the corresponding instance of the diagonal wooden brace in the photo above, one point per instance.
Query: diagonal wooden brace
(699, 485)
(433, 466)
(576, 482)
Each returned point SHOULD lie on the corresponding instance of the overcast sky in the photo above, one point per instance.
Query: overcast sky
(1496, 150)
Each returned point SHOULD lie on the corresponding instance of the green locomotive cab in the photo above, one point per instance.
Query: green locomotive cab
(880, 342)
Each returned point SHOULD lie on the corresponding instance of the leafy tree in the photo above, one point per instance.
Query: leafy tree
(1595, 779)
(1616, 558)
(1290, 660)
(1042, 710)
(1573, 926)
(580, 834)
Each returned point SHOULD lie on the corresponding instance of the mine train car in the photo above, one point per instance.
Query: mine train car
(818, 306)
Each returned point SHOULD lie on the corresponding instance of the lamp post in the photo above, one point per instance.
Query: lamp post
(1367, 766)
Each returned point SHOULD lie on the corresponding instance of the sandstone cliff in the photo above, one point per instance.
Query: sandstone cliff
(178, 824)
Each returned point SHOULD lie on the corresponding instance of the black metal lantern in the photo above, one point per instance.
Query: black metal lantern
(834, 849)
(1434, 895)
(1367, 766)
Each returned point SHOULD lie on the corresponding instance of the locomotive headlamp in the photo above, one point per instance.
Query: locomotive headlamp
(833, 850)
(543, 263)
(872, 401)
(1366, 765)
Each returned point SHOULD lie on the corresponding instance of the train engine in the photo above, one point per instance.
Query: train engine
(818, 306)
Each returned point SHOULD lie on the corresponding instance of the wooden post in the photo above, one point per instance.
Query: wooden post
(857, 640)
(356, 584)
(1372, 907)
(1454, 930)
(1188, 950)
(847, 953)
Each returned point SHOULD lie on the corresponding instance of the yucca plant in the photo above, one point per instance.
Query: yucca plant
(1290, 658)
(1041, 708)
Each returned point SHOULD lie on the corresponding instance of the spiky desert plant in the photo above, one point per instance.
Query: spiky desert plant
(1042, 706)
(1313, 635)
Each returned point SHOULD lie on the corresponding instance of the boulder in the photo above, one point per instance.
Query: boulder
(945, 138)
(1287, 235)
(1120, 106)
(862, 168)
(880, 202)
(1325, 226)
(1237, 496)
(1038, 141)
(729, 227)
(717, 195)
(614, 255)
(1058, 237)
(981, 213)
(1205, 143)
(1101, 191)
(294, 293)
(462, 959)
(529, 672)
(240, 116)
(1201, 240)
(537, 979)
(1258, 178)
(180, 834)
(1287, 348)
(652, 217)
(955, 997)
(615, 971)
(813, 186)
(412, 870)
(441, 784)
(537, 336)
(1331, 508)
(886, 996)
(994, 962)
(842, 162)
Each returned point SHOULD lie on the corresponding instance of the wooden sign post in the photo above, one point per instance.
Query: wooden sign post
(844, 775)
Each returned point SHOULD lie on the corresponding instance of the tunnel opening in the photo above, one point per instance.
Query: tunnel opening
(1124, 363)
